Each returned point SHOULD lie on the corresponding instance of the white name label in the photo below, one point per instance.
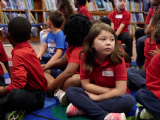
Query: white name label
(119, 16)
(107, 73)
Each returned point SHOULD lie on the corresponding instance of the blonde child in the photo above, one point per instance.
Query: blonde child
(76, 29)
(104, 94)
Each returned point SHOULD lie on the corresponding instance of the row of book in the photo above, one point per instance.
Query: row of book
(19, 5)
(133, 5)
(50, 5)
(137, 18)
(7, 16)
(132, 28)
(34, 31)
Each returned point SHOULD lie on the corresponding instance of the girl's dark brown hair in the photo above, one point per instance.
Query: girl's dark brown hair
(156, 33)
(89, 58)
(156, 17)
(67, 7)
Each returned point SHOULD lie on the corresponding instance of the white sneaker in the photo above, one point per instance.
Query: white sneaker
(115, 116)
(142, 113)
(60, 95)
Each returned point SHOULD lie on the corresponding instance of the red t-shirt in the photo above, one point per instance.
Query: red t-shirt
(73, 56)
(123, 17)
(3, 57)
(150, 14)
(63, 11)
(148, 46)
(27, 72)
(153, 76)
(105, 74)
(84, 10)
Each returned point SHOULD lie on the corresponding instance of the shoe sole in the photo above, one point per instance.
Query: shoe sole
(67, 110)
(63, 100)
(123, 116)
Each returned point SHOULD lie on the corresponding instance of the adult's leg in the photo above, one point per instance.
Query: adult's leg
(149, 101)
(139, 33)
(128, 40)
(140, 50)
(20, 99)
(98, 110)
(137, 77)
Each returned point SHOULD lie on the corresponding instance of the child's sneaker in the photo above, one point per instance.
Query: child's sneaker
(142, 113)
(115, 116)
(60, 95)
(73, 111)
(16, 115)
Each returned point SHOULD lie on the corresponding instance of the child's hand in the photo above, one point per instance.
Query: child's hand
(45, 66)
(92, 96)
(39, 57)
(152, 53)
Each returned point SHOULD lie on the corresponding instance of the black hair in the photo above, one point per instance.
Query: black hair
(57, 18)
(19, 29)
(81, 2)
(76, 29)
(105, 20)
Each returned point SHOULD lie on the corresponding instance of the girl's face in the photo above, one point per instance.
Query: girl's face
(57, 3)
(120, 4)
(104, 43)
(149, 28)
(76, 3)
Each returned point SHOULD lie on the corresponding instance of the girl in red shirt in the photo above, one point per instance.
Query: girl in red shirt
(76, 29)
(104, 94)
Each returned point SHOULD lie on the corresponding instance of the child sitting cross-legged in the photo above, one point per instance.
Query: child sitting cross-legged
(104, 94)
(149, 97)
(76, 29)
(27, 89)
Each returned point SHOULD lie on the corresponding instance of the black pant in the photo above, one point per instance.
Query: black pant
(139, 33)
(128, 40)
(21, 99)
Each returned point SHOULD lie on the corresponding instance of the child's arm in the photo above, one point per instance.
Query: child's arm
(119, 30)
(8, 69)
(3, 90)
(119, 89)
(112, 25)
(152, 53)
(60, 62)
(56, 56)
(42, 50)
(68, 72)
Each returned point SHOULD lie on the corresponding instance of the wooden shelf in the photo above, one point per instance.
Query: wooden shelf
(137, 23)
(13, 10)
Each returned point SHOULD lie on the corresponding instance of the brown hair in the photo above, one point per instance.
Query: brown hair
(156, 33)
(67, 7)
(156, 17)
(57, 18)
(89, 58)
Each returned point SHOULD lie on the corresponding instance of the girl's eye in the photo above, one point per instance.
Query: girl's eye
(112, 39)
(102, 38)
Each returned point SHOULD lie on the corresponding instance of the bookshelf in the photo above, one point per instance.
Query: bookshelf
(39, 11)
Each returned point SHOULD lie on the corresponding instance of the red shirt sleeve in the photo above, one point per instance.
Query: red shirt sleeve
(19, 74)
(110, 16)
(3, 55)
(120, 71)
(126, 19)
(149, 15)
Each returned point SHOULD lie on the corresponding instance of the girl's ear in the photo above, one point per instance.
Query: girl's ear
(153, 27)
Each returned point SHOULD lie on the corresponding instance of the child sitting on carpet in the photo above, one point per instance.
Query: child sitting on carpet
(149, 97)
(104, 93)
(55, 41)
(137, 78)
(27, 89)
(3, 59)
(76, 29)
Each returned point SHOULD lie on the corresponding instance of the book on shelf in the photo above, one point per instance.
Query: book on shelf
(134, 5)
(50, 5)
(19, 5)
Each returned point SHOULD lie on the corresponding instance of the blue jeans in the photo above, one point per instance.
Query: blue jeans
(140, 50)
(149, 101)
(137, 77)
(98, 110)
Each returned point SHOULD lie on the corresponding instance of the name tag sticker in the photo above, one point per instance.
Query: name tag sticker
(107, 73)
(10, 62)
(53, 44)
(119, 16)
